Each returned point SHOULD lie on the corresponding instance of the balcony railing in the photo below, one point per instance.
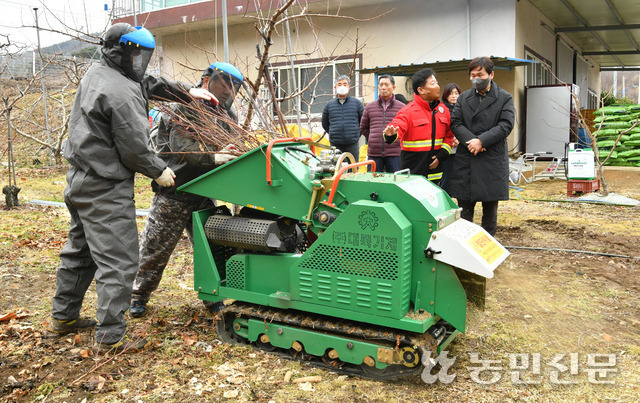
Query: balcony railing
(125, 8)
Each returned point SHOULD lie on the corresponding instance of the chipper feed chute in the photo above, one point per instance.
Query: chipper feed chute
(356, 272)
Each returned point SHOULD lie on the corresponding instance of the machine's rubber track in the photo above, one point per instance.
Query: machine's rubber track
(273, 316)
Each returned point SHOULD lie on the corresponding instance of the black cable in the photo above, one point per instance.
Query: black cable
(302, 150)
(572, 251)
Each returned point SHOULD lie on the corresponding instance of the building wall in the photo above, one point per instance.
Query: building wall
(413, 31)
(535, 32)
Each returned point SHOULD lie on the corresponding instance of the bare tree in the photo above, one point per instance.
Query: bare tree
(593, 135)
(270, 120)
(268, 25)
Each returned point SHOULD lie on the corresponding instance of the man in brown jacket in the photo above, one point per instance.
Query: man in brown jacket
(375, 118)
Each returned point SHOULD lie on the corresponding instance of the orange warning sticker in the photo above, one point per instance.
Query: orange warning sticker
(486, 247)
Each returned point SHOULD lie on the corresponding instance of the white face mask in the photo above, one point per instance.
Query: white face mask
(342, 90)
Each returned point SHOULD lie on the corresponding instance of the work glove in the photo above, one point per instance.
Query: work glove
(390, 134)
(389, 139)
(222, 158)
(201, 93)
(166, 179)
(224, 155)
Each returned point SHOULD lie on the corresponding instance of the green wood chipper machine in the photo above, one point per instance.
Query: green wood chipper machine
(362, 273)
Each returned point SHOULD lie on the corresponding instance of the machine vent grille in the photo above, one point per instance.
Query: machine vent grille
(360, 262)
(240, 232)
(235, 274)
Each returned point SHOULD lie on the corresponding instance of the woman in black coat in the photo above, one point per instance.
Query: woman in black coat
(449, 98)
(482, 176)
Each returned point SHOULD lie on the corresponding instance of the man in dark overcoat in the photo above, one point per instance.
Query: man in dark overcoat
(482, 120)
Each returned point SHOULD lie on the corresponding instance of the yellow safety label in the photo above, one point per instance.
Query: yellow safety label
(486, 247)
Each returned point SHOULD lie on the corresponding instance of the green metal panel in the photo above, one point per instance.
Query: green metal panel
(361, 262)
(243, 181)
(423, 203)
(206, 277)
(314, 343)
(451, 300)
(264, 274)
(414, 195)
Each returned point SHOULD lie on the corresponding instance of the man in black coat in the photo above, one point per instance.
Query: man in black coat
(482, 120)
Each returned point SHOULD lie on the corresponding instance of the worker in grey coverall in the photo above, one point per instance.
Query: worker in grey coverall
(170, 213)
(108, 143)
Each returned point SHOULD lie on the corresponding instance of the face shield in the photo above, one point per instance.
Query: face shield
(135, 61)
(137, 48)
(225, 87)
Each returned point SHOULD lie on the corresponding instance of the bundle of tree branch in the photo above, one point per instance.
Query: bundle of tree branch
(214, 128)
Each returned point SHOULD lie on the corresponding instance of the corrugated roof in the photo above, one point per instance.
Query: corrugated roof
(443, 66)
(608, 31)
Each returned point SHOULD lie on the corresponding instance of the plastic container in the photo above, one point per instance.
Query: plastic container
(583, 139)
(577, 186)
(581, 164)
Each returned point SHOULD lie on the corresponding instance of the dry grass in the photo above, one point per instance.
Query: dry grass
(539, 302)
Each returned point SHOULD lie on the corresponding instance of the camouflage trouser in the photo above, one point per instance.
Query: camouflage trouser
(163, 227)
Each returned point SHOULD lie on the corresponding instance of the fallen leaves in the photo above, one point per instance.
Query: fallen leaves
(96, 382)
(189, 339)
(287, 376)
(13, 315)
(306, 386)
(231, 394)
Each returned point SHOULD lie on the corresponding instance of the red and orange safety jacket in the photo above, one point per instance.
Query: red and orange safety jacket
(415, 126)
(424, 133)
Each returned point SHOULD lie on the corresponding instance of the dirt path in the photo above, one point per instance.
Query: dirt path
(540, 303)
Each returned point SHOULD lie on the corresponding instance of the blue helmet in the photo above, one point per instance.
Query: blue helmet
(137, 47)
(141, 37)
(230, 69)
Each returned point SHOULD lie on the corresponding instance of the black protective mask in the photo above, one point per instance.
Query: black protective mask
(481, 84)
(135, 60)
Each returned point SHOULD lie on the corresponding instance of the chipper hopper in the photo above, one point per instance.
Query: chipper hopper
(362, 273)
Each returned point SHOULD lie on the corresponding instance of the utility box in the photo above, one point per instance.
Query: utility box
(551, 118)
(581, 164)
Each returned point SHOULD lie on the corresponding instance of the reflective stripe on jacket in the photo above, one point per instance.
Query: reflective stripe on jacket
(414, 123)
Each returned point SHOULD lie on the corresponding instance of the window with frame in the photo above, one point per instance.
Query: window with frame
(537, 73)
(316, 80)
(592, 100)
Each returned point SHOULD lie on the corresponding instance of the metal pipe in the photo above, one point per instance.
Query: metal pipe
(225, 31)
(44, 90)
(468, 29)
(293, 74)
(135, 15)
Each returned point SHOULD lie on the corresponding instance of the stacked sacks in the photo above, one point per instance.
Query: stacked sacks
(611, 120)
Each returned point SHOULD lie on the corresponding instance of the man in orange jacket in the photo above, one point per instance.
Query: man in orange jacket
(424, 127)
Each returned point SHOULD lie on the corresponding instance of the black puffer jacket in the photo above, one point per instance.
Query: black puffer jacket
(342, 120)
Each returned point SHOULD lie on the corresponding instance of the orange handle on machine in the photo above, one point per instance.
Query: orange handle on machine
(342, 170)
(270, 146)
